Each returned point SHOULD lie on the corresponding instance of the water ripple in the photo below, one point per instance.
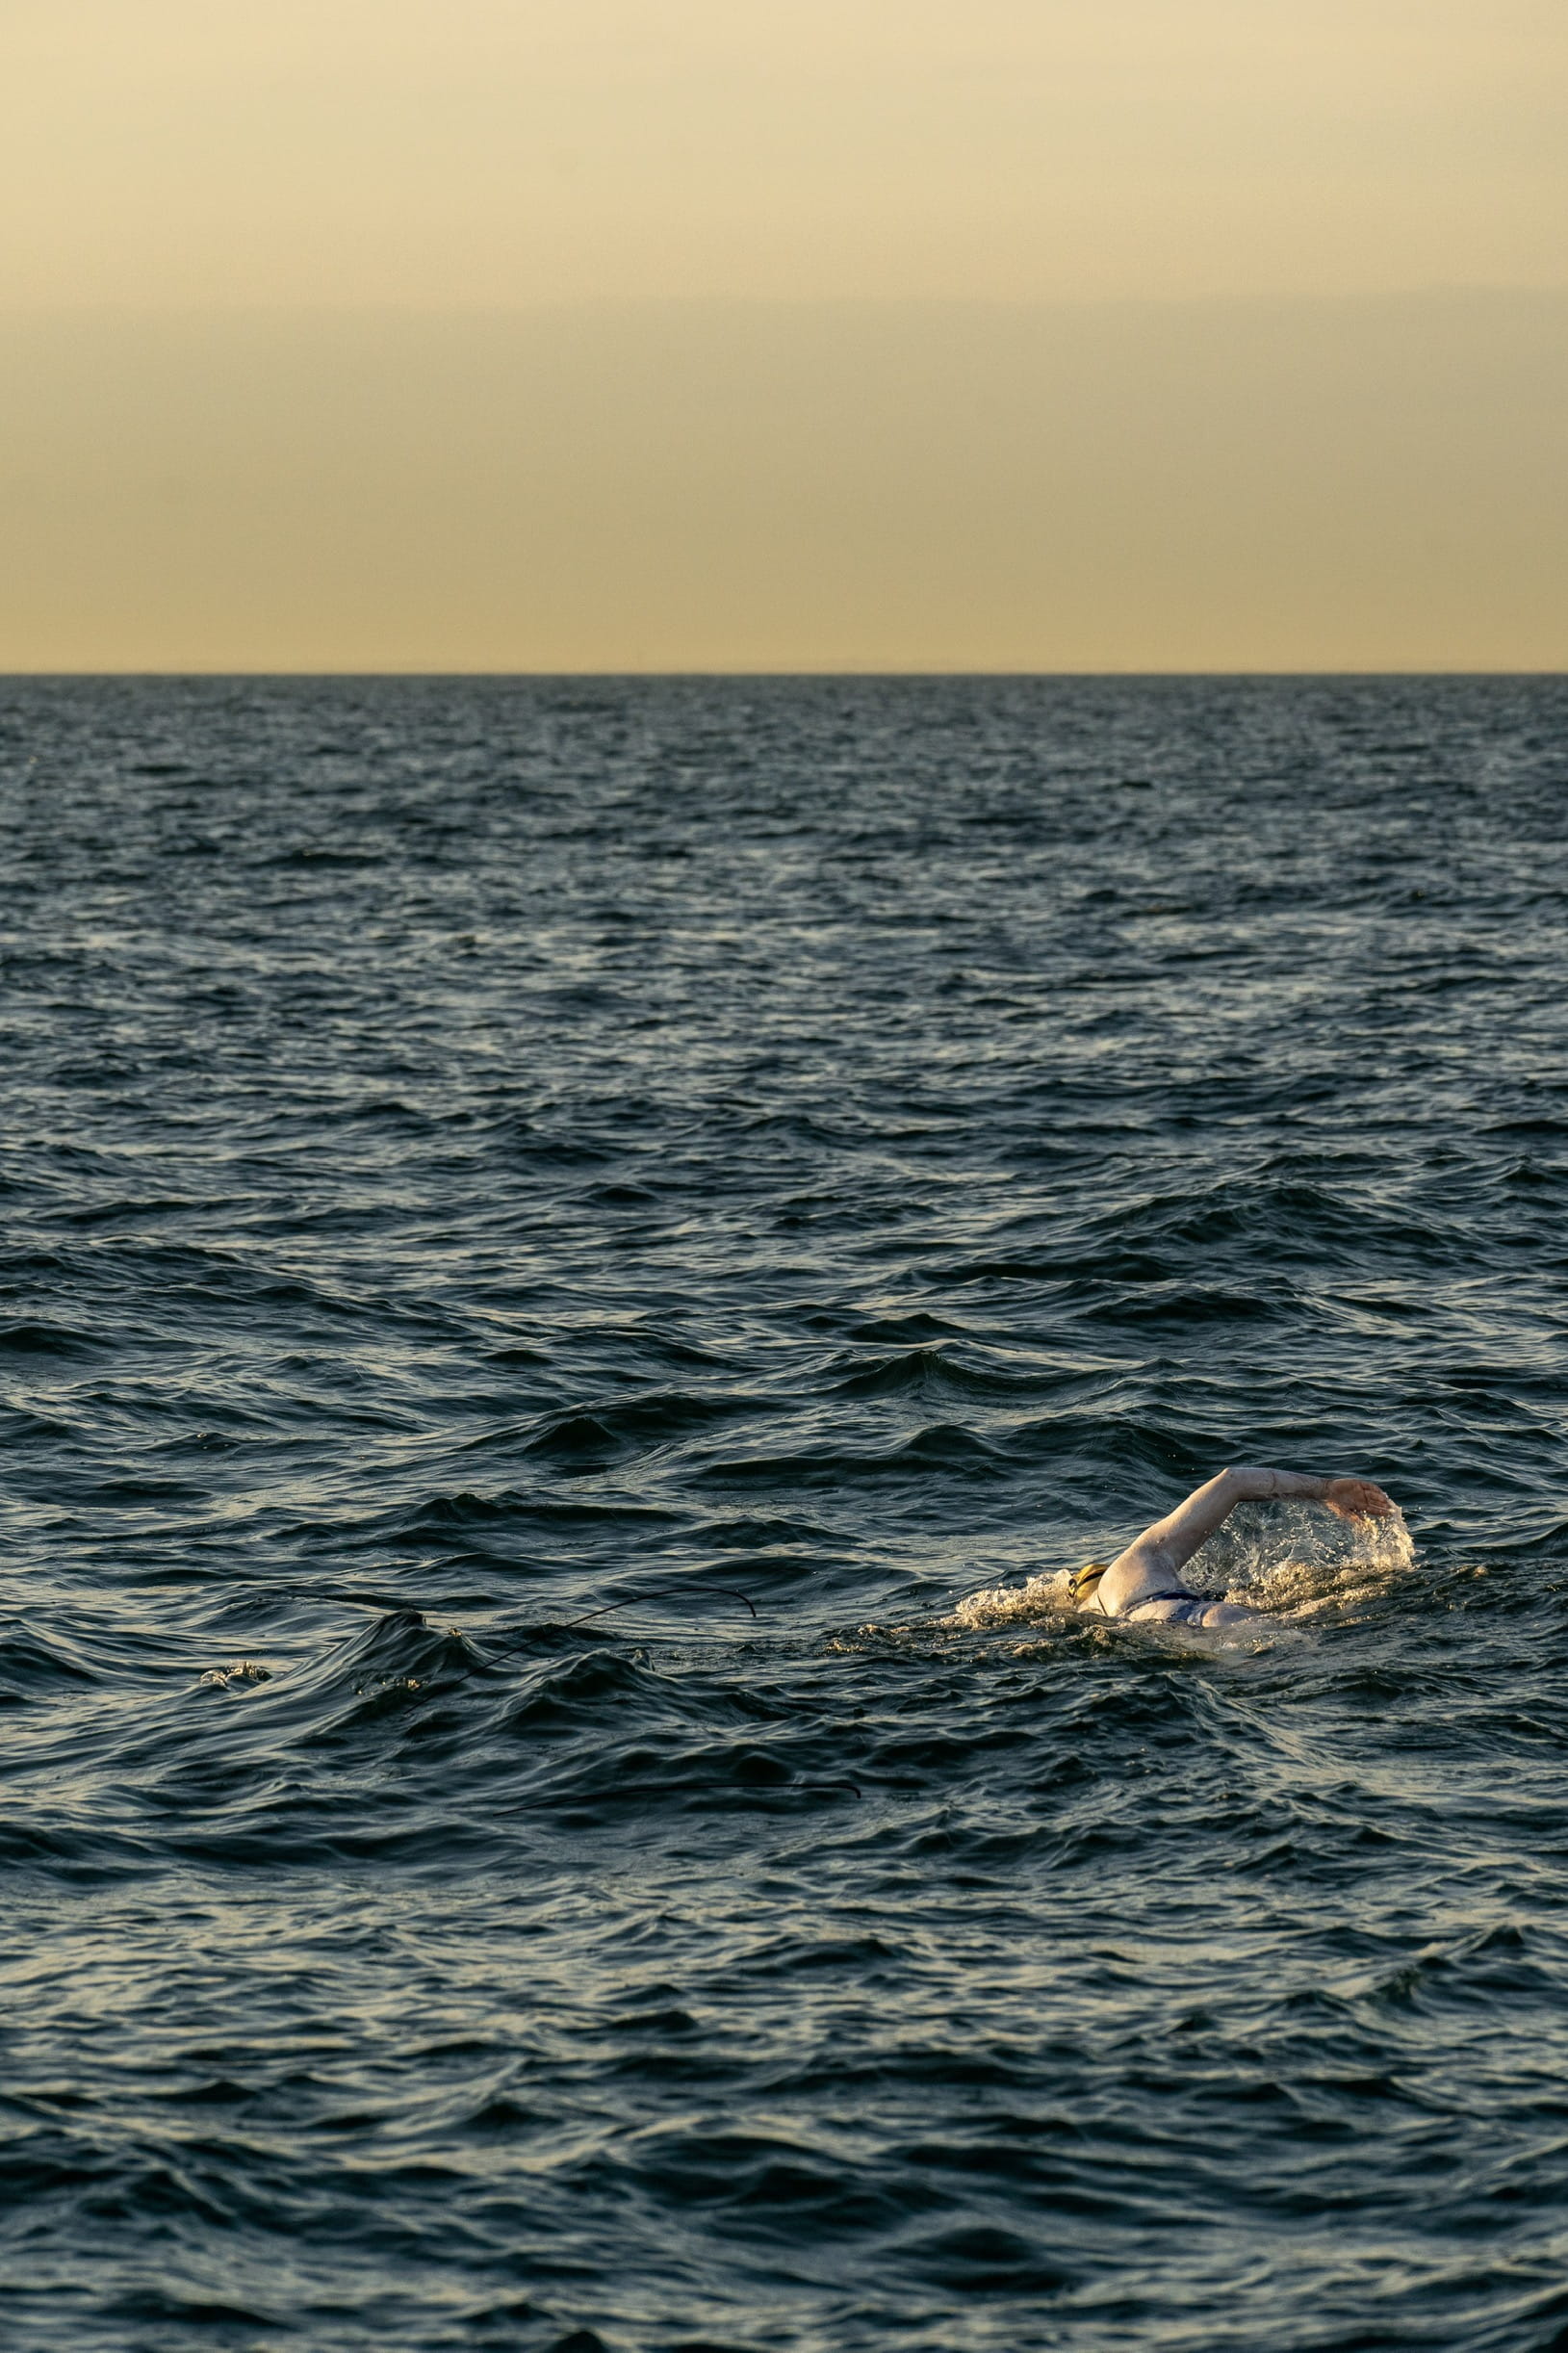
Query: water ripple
(582, 1257)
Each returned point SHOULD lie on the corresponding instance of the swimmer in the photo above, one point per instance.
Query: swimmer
(1144, 1582)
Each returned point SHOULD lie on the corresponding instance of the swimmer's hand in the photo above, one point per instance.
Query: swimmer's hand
(1356, 1499)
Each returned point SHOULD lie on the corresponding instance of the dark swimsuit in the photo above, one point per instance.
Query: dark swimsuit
(1146, 1601)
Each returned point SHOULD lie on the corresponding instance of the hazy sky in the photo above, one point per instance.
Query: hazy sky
(499, 152)
(1142, 482)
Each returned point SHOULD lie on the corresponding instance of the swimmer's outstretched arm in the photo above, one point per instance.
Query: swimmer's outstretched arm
(1163, 1551)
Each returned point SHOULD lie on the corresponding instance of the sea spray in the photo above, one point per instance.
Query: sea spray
(1290, 1559)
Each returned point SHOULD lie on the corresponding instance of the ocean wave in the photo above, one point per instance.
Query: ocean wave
(580, 1259)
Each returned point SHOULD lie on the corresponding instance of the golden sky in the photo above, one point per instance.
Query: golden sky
(503, 151)
(642, 195)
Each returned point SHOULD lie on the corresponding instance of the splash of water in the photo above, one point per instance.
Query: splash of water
(1014, 1605)
(1291, 1561)
(1295, 1561)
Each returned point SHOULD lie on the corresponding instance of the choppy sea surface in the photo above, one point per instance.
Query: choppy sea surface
(579, 1258)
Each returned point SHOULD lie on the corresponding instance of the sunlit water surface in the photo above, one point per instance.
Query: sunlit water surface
(579, 1259)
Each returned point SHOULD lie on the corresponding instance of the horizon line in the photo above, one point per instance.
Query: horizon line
(800, 674)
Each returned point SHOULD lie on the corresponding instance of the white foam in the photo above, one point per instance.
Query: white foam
(1014, 1605)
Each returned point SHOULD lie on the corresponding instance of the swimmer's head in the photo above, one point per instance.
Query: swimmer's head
(1084, 1583)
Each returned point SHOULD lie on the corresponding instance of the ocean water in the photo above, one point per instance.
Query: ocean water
(579, 1258)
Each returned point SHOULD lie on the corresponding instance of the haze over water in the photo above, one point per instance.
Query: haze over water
(557, 1235)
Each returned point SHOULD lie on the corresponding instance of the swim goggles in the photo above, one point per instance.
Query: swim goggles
(1081, 1584)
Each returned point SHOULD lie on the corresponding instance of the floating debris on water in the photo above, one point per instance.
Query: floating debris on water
(242, 1671)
